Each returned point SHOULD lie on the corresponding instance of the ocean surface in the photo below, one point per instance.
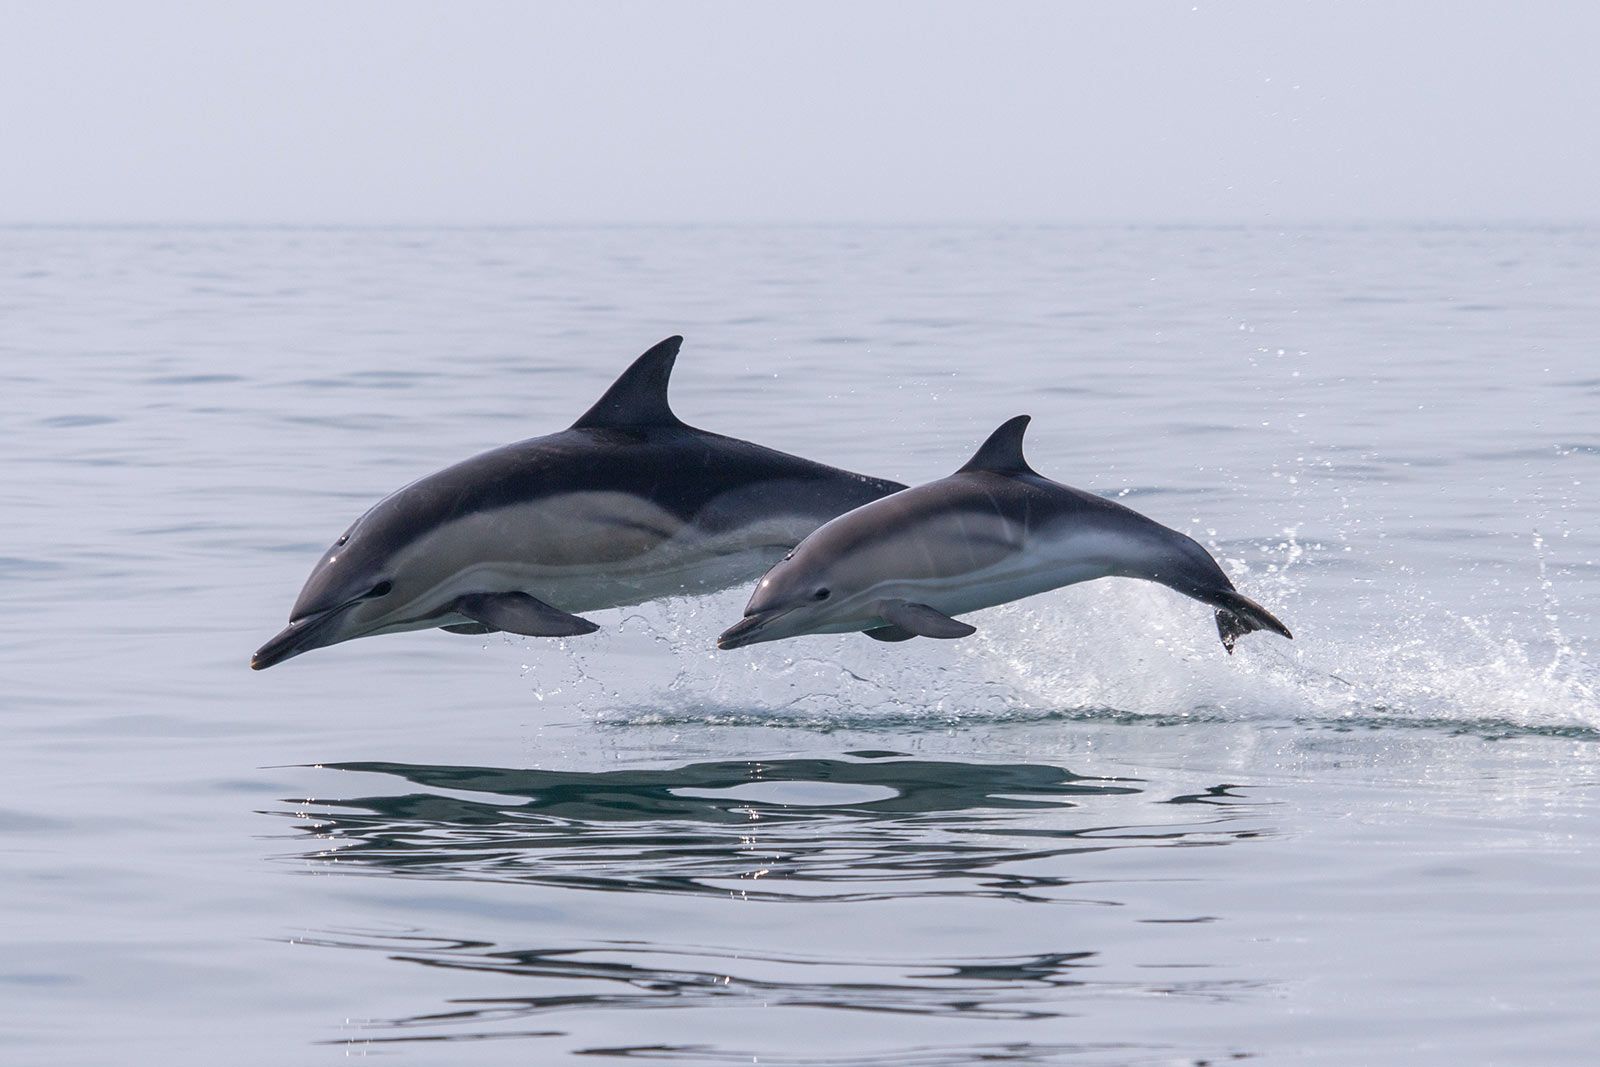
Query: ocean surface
(1083, 836)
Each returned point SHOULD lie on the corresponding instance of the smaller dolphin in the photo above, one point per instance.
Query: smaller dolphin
(994, 531)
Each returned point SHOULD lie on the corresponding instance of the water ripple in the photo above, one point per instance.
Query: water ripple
(628, 975)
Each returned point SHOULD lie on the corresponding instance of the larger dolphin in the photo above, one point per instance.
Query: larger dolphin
(627, 505)
(994, 531)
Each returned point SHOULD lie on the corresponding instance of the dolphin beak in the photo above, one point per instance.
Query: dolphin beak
(301, 635)
(748, 630)
(286, 645)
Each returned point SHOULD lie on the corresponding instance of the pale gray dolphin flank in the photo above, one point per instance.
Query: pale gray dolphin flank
(628, 505)
(994, 531)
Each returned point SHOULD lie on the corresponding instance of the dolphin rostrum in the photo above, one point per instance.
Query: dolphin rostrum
(994, 531)
(628, 505)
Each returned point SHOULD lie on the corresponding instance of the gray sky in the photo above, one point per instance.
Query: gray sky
(599, 111)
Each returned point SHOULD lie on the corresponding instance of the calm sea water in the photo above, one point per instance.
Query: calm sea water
(1085, 836)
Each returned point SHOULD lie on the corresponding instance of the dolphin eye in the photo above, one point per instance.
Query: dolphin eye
(823, 594)
(344, 539)
(381, 589)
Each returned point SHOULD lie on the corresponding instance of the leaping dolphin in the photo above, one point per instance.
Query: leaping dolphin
(994, 531)
(627, 505)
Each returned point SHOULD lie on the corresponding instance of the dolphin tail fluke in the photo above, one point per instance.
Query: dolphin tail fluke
(1238, 615)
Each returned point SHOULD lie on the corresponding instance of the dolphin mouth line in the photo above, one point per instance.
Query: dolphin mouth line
(296, 637)
(747, 631)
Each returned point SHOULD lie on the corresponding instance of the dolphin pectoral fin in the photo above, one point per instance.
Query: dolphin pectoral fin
(519, 613)
(890, 633)
(921, 620)
(475, 628)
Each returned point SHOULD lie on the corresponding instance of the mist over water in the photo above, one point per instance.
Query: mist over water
(1084, 835)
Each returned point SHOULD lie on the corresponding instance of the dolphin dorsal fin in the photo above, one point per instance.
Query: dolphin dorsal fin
(639, 395)
(1002, 452)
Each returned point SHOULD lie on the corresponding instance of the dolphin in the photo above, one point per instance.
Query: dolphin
(994, 531)
(628, 505)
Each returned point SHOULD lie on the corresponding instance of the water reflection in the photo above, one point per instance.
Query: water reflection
(862, 827)
(930, 842)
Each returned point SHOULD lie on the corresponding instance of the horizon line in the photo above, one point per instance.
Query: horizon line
(1153, 224)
